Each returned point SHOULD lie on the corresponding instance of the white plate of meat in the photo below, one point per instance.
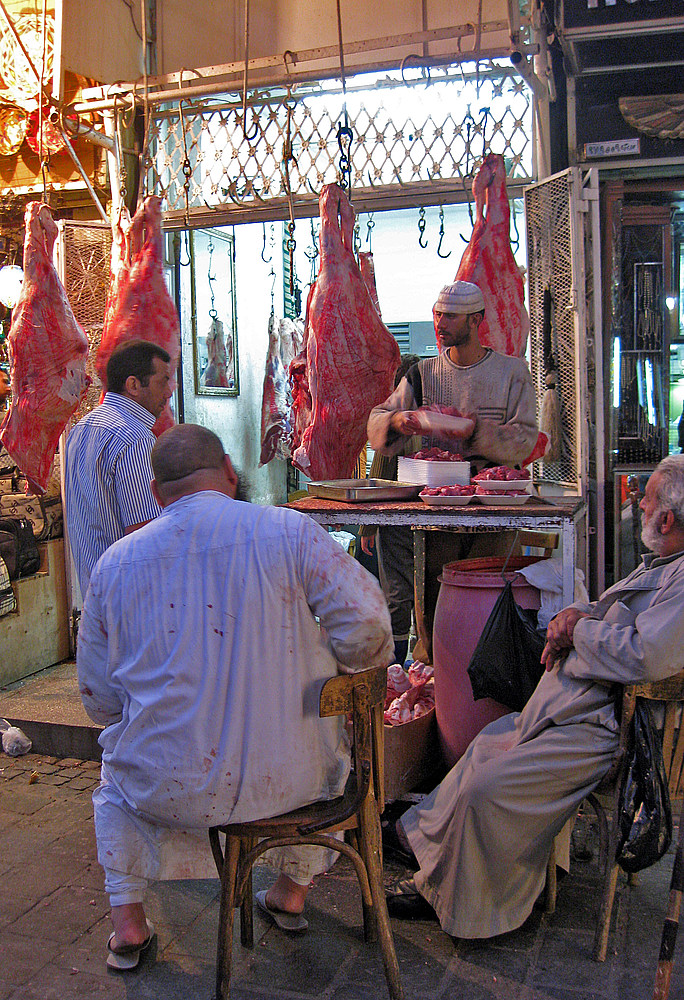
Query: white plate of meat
(447, 496)
(508, 499)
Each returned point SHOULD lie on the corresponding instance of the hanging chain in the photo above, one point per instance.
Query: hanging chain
(370, 226)
(421, 229)
(187, 166)
(290, 243)
(357, 237)
(313, 253)
(211, 278)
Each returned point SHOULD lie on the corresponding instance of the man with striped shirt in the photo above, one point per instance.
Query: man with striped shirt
(108, 471)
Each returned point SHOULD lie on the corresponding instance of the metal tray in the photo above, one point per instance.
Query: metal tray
(363, 490)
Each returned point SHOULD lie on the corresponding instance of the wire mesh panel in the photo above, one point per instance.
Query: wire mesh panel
(407, 130)
(84, 261)
(550, 258)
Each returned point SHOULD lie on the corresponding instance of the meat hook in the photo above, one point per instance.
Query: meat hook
(370, 226)
(515, 244)
(441, 235)
(263, 248)
(424, 68)
(421, 229)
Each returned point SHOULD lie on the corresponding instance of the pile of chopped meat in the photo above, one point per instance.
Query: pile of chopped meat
(409, 694)
(447, 491)
(501, 473)
(437, 455)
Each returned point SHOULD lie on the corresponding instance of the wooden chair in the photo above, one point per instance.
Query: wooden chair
(357, 810)
(604, 799)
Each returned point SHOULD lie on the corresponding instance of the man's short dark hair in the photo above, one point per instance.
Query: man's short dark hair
(135, 357)
(184, 449)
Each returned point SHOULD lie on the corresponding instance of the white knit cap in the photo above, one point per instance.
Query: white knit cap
(462, 297)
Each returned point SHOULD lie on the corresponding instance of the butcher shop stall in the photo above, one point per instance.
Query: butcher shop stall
(290, 185)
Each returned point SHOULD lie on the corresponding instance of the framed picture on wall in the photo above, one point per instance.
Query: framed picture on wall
(214, 321)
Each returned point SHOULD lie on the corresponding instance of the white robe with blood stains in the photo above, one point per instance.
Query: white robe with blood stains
(200, 653)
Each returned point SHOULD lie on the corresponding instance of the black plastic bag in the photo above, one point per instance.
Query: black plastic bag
(506, 664)
(644, 816)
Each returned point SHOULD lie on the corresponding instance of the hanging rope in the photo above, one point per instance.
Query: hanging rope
(287, 156)
(344, 132)
(248, 138)
(142, 185)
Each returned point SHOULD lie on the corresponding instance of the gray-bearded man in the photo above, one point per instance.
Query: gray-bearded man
(482, 838)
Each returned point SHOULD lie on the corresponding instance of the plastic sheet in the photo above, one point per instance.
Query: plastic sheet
(506, 664)
(644, 813)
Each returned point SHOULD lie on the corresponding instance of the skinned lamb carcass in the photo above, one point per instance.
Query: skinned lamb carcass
(277, 421)
(351, 356)
(489, 263)
(48, 351)
(139, 306)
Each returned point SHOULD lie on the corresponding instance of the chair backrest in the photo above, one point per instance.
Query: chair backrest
(361, 695)
(669, 693)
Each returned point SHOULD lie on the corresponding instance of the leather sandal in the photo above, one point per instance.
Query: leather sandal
(394, 849)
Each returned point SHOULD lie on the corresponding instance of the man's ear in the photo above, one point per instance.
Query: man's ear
(156, 493)
(231, 476)
(132, 386)
(667, 523)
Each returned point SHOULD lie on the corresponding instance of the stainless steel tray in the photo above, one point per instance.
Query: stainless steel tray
(363, 490)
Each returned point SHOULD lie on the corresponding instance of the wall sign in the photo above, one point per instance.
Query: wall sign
(614, 147)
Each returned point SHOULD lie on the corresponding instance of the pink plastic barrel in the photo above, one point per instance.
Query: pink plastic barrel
(469, 589)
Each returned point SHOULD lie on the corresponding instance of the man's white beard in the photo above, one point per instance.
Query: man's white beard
(650, 535)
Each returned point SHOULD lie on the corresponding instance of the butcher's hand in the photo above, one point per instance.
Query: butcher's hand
(559, 635)
(367, 544)
(405, 422)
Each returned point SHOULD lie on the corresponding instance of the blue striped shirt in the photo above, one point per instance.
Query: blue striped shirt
(107, 478)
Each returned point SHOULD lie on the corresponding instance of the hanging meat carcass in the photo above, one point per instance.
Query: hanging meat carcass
(350, 356)
(489, 263)
(285, 338)
(139, 306)
(48, 351)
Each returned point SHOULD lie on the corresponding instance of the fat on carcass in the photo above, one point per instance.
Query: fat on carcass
(351, 356)
(367, 268)
(139, 305)
(489, 263)
(47, 350)
(285, 338)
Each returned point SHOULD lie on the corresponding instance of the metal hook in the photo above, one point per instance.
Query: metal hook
(424, 68)
(186, 263)
(441, 235)
(421, 229)
(370, 226)
(263, 246)
(515, 244)
(273, 277)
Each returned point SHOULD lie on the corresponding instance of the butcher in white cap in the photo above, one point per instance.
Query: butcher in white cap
(493, 390)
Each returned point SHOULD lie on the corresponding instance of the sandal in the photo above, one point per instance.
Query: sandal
(406, 903)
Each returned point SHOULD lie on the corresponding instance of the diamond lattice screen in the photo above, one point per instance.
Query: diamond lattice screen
(406, 133)
(549, 241)
(85, 270)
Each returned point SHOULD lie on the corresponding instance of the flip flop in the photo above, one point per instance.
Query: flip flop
(123, 959)
(293, 922)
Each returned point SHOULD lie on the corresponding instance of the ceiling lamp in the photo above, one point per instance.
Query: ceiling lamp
(11, 278)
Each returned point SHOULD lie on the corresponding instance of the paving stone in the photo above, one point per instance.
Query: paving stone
(25, 800)
(62, 916)
(21, 959)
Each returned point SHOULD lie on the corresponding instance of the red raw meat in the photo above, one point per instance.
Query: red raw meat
(367, 268)
(284, 341)
(351, 356)
(489, 263)
(48, 351)
(139, 306)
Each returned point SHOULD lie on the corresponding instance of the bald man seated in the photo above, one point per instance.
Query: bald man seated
(205, 639)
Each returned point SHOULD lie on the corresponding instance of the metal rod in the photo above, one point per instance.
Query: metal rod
(86, 179)
(236, 69)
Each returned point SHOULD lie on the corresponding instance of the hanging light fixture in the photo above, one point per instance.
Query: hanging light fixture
(11, 278)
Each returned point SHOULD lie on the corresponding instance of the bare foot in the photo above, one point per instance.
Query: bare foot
(286, 895)
(130, 925)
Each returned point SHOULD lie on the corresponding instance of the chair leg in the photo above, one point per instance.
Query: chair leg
(246, 903)
(605, 913)
(364, 838)
(371, 839)
(550, 890)
(224, 948)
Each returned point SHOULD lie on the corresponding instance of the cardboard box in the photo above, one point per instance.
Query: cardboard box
(412, 754)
